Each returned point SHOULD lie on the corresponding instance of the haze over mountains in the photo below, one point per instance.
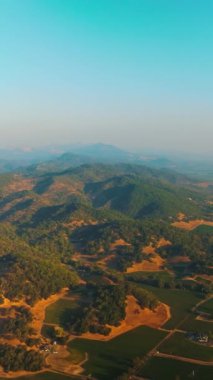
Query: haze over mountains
(62, 157)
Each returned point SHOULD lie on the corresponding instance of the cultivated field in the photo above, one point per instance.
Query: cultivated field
(179, 345)
(108, 359)
(180, 301)
(170, 369)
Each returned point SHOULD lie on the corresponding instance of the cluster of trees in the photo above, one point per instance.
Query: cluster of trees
(110, 304)
(125, 256)
(195, 245)
(107, 306)
(33, 278)
(19, 325)
(144, 297)
(18, 358)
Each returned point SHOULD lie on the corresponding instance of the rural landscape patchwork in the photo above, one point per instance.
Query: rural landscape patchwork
(106, 270)
(106, 190)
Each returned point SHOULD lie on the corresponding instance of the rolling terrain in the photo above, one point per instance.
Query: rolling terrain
(77, 238)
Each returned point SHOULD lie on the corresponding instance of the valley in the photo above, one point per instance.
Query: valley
(104, 270)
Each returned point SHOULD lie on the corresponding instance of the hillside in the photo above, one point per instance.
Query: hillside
(74, 241)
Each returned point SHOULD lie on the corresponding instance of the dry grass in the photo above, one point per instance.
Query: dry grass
(119, 243)
(149, 249)
(163, 243)
(135, 317)
(181, 216)
(153, 264)
(19, 184)
(192, 224)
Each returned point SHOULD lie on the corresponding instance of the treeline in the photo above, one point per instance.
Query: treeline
(144, 297)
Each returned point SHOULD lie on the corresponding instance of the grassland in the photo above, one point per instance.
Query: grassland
(169, 369)
(56, 312)
(203, 229)
(179, 345)
(180, 301)
(108, 359)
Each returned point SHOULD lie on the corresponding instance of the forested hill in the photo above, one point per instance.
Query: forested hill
(133, 190)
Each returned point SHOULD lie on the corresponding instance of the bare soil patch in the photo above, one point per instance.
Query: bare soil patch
(181, 216)
(163, 243)
(149, 249)
(135, 317)
(191, 225)
(154, 264)
(119, 243)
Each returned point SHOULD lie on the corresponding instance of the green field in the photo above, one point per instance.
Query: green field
(207, 307)
(107, 360)
(169, 369)
(192, 324)
(56, 313)
(180, 301)
(203, 229)
(178, 344)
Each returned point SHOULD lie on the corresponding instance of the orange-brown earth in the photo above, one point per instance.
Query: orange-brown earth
(181, 216)
(135, 317)
(191, 225)
(19, 184)
(149, 249)
(119, 243)
(153, 264)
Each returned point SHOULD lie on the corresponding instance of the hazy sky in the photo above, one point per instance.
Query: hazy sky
(136, 73)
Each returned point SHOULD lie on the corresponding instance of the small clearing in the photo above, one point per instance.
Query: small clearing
(191, 225)
(153, 264)
(39, 309)
(119, 243)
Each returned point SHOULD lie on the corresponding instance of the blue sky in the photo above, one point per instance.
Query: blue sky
(136, 73)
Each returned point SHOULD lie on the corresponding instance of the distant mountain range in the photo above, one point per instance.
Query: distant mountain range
(53, 159)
